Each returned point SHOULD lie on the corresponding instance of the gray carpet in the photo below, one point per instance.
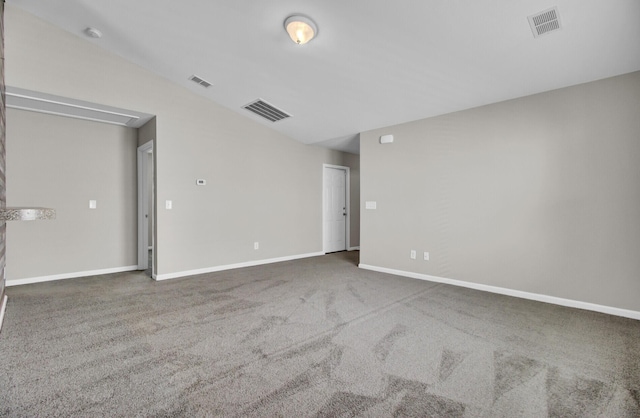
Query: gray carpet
(314, 337)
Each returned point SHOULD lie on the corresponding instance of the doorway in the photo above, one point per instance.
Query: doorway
(146, 211)
(335, 208)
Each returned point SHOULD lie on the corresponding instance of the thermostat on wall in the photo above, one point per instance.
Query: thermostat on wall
(201, 182)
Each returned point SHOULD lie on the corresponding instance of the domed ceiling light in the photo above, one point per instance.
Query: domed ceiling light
(300, 28)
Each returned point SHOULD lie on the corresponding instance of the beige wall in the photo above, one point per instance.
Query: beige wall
(261, 185)
(147, 132)
(539, 194)
(63, 163)
(353, 162)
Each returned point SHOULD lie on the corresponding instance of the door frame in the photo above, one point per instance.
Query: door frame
(143, 202)
(347, 191)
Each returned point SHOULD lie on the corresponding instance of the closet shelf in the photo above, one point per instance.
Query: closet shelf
(26, 214)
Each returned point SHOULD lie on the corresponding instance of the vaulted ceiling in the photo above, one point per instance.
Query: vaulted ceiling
(374, 63)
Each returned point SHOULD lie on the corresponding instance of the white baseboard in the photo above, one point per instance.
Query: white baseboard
(354, 248)
(2, 309)
(510, 292)
(74, 275)
(186, 273)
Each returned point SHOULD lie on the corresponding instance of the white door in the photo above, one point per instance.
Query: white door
(335, 209)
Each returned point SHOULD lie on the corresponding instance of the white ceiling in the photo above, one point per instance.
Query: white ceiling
(374, 63)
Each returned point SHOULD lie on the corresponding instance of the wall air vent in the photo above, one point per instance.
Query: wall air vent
(267, 111)
(196, 79)
(545, 22)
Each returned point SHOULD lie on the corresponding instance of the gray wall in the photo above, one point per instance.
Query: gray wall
(353, 162)
(150, 198)
(62, 163)
(539, 194)
(261, 185)
(147, 132)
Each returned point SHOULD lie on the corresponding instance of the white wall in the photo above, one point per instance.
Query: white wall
(261, 185)
(539, 194)
(62, 163)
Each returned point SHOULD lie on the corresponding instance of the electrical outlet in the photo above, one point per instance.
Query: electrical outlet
(426, 256)
(256, 245)
(413, 254)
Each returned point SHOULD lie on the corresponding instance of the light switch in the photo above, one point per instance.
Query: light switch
(386, 139)
(93, 204)
(168, 204)
(371, 205)
(201, 182)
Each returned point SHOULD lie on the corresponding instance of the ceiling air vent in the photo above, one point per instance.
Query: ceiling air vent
(264, 109)
(545, 22)
(200, 81)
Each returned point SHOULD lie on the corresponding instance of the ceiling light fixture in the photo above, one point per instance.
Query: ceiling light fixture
(300, 28)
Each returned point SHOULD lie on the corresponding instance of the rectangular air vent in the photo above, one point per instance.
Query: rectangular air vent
(200, 81)
(267, 111)
(545, 22)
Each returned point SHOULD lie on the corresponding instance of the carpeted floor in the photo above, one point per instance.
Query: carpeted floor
(314, 337)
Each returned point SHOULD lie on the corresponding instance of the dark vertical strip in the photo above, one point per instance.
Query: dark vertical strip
(3, 190)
